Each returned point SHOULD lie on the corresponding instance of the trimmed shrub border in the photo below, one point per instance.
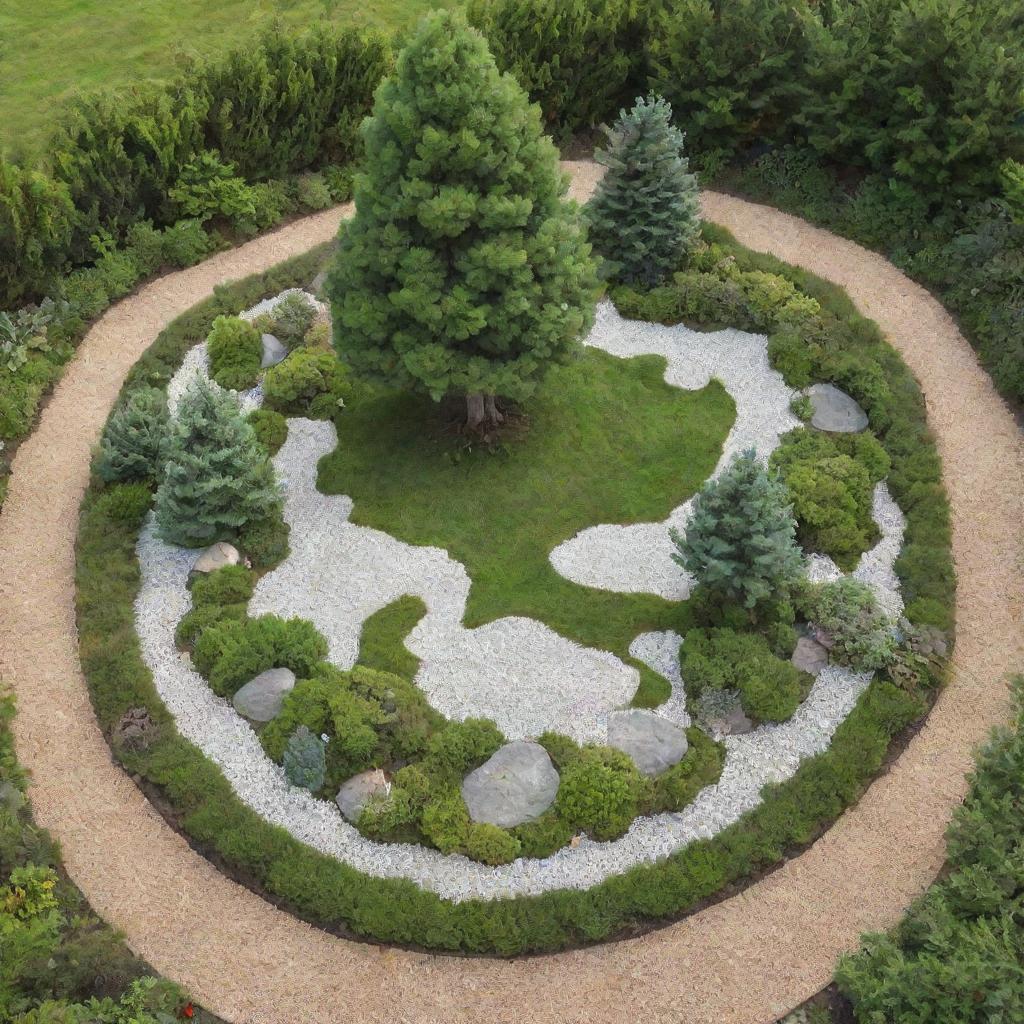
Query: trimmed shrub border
(331, 894)
(872, 838)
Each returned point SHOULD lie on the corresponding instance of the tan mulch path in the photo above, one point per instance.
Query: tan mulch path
(746, 960)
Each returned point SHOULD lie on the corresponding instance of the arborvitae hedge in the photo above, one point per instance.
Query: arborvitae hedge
(277, 106)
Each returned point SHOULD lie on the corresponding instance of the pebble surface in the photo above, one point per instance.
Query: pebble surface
(338, 574)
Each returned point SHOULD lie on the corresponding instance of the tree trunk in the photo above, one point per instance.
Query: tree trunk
(475, 411)
(493, 415)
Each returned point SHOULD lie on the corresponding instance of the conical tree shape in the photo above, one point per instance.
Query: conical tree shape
(740, 542)
(217, 478)
(645, 215)
(135, 438)
(464, 270)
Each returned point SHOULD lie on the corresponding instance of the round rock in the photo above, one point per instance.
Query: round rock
(216, 556)
(809, 655)
(261, 698)
(721, 713)
(517, 784)
(357, 792)
(273, 351)
(653, 743)
(835, 411)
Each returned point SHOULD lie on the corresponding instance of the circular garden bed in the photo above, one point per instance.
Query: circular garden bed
(461, 696)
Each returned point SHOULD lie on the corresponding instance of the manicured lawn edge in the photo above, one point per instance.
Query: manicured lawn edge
(335, 896)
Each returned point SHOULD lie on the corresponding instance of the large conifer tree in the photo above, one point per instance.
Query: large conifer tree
(218, 479)
(464, 270)
(645, 214)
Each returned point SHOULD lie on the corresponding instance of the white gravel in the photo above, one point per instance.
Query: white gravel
(514, 670)
(637, 558)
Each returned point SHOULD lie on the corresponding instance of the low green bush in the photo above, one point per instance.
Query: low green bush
(599, 792)
(847, 610)
(831, 480)
(313, 192)
(292, 318)
(459, 747)
(307, 383)
(127, 503)
(722, 659)
(231, 653)
(227, 585)
(490, 844)
(270, 428)
(235, 353)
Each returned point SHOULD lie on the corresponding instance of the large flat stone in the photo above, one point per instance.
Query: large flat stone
(721, 714)
(357, 792)
(517, 784)
(261, 698)
(835, 411)
(216, 556)
(273, 351)
(653, 743)
(809, 655)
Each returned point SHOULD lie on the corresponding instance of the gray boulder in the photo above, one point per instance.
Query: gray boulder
(261, 698)
(273, 351)
(517, 784)
(653, 743)
(721, 713)
(835, 411)
(809, 655)
(357, 792)
(216, 556)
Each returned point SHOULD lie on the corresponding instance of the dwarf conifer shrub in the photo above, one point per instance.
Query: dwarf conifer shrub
(599, 791)
(292, 318)
(218, 479)
(464, 270)
(136, 438)
(847, 609)
(741, 540)
(644, 217)
(235, 352)
(304, 760)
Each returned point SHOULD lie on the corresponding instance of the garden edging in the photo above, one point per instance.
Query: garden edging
(747, 959)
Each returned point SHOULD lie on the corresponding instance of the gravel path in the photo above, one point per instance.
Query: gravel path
(744, 961)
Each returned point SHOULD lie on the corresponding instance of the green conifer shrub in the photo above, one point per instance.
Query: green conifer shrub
(292, 317)
(770, 688)
(599, 791)
(580, 60)
(218, 479)
(847, 609)
(464, 270)
(235, 352)
(136, 438)
(304, 760)
(741, 540)
(645, 216)
(831, 482)
(307, 383)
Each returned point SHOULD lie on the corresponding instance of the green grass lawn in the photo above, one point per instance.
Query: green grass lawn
(50, 50)
(608, 441)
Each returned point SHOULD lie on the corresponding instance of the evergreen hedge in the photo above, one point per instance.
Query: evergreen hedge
(327, 892)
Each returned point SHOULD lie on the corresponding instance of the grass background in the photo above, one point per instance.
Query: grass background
(53, 49)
